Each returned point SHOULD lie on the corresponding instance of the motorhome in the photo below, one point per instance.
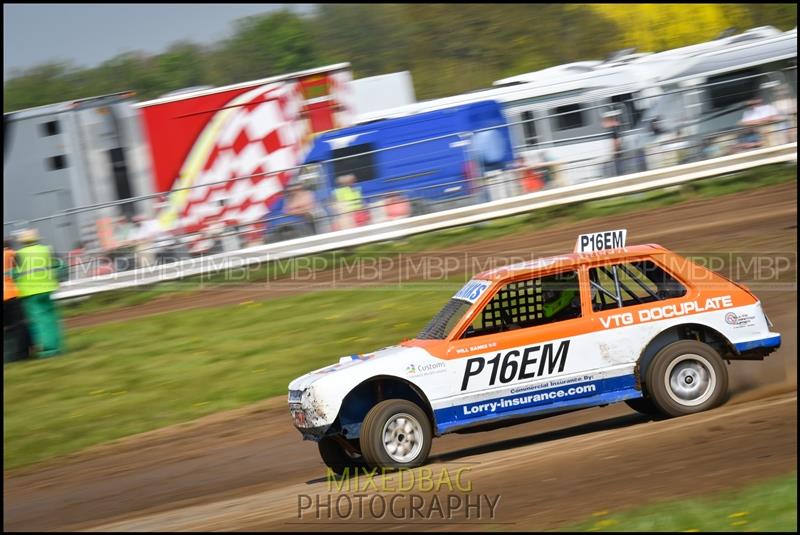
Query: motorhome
(703, 90)
(558, 114)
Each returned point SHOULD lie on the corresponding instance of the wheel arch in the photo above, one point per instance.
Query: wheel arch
(685, 331)
(365, 395)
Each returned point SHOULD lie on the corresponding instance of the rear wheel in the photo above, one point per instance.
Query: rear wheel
(338, 457)
(687, 377)
(396, 433)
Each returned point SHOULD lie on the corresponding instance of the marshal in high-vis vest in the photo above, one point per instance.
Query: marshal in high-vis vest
(37, 279)
(607, 323)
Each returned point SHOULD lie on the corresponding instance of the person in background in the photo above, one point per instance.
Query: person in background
(15, 332)
(530, 178)
(122, 242)
(397, 206)
(653, 136)
(300, 202)
(756, 115)
(77, 261)
(124, 231)
(148, 233)
(347, 202)
(611, 123)
(37, 280)
(787, 109)
(709, 149)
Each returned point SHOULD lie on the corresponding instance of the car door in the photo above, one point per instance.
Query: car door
(530, 348)
(621, 292)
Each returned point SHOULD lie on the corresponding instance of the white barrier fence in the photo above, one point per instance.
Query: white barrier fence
(378, 232)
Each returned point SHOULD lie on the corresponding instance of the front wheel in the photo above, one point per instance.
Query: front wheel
(687, 377)
(396, 433)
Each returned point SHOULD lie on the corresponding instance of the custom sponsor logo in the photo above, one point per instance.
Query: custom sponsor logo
(425, 369)
(529, 399)
(518, 364)
(666, 312)
(739, 320)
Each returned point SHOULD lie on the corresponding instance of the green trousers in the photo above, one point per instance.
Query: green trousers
(45, 324)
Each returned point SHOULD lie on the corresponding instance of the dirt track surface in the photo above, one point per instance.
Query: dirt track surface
(682, 227)
(246, 469)
(248, 473)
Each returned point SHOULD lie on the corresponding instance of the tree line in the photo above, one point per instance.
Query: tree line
(449, 48)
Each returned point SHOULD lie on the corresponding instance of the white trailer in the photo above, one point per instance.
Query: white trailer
(64, 156)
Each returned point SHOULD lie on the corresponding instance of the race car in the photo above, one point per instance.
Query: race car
(607, 323)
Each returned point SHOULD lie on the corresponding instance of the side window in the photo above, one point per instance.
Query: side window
(55, 163)
(529, 128)
(631, 113)
(631, 283)
(568, 117)
(358, 160)
(574, 121)
(50, 128)
(733, 88)
(529, 303)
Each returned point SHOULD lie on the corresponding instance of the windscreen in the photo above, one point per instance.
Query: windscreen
(444, 321)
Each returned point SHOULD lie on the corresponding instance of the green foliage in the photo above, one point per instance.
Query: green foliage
(448, 48)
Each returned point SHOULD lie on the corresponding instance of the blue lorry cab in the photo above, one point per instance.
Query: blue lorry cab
(427, 158)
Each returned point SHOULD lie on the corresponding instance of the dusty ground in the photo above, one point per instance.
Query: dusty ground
(246, 469)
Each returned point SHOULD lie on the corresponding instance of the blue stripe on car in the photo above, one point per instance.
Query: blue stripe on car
(609, 390)
(772, 341)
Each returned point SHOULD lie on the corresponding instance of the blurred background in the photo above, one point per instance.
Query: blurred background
(447, 51)
(299, 120)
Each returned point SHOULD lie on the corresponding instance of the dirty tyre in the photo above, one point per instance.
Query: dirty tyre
(687, 377)
(336, 457)
(396, 434)
(643, 405)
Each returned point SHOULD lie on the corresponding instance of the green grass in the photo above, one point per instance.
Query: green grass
(539, 219)
(767, 506)
(125, 378)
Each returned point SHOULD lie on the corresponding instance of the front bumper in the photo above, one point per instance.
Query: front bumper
(300, 419)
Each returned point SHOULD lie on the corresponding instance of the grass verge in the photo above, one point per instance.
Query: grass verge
(768, 506)
(125, 378)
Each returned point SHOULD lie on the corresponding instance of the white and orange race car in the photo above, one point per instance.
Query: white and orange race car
(605, 324)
